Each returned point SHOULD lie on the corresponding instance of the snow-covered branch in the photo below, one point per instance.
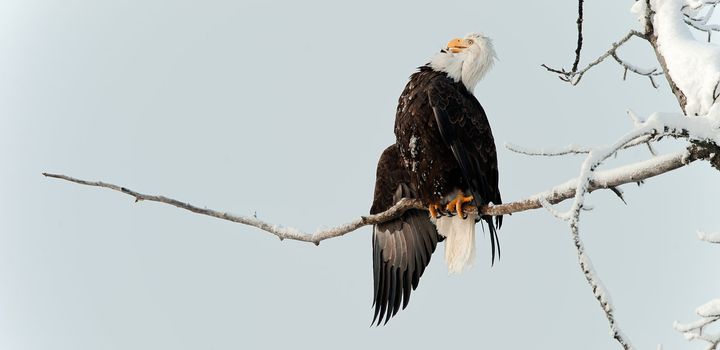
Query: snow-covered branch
(696, 330)
(704, 129)
(694, 66)
(709, 312)
(653, 126)
(713, 237)
(599, 291)
(693, 73)
(650, 73)
(694, 16)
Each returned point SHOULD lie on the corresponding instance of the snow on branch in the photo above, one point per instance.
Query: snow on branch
(658, 125)
(696, 330)
(709, 313)
(692, 67)
(637, 70)
(693, 73)
(599, 291)
(701, 129)
(709, 237)
(694, 17)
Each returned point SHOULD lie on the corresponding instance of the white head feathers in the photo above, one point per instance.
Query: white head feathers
(467, 59)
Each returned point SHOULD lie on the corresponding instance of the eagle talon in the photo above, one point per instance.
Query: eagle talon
(456, 205)
(435, 211)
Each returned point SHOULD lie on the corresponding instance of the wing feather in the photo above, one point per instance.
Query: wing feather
(401, 247)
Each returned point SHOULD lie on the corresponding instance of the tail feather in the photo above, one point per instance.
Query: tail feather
(459, 242)
(494, 240)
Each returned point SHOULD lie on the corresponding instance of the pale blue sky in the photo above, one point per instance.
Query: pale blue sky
(282, 108)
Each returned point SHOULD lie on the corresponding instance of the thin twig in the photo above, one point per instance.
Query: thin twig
(639, 71)
(580, 36)
(573, 77)
(572, 149)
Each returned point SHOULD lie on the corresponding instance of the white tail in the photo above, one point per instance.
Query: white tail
(459, 236)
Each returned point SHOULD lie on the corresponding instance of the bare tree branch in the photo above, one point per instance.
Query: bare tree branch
(602, 180)
(547, 152)
(277, 230)
(574, 76)
(571, 149)
(580, 36)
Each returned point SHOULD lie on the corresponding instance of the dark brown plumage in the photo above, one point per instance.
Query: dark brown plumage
(444, 144)
(401, 247)
(445, 139)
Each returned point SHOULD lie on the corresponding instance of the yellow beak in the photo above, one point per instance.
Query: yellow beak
(456, 45)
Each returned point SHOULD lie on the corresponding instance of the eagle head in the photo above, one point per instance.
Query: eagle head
(466, 59)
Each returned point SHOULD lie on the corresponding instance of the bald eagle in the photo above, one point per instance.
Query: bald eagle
(445, 156)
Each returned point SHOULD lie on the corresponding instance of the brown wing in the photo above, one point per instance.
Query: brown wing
(401, 247)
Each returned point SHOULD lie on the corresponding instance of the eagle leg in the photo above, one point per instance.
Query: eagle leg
(456, 205)
(435, 210)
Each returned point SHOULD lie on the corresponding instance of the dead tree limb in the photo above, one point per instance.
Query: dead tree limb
(602, 180)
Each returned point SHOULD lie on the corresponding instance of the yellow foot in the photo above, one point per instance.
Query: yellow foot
(456, 205)
(434, 210)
